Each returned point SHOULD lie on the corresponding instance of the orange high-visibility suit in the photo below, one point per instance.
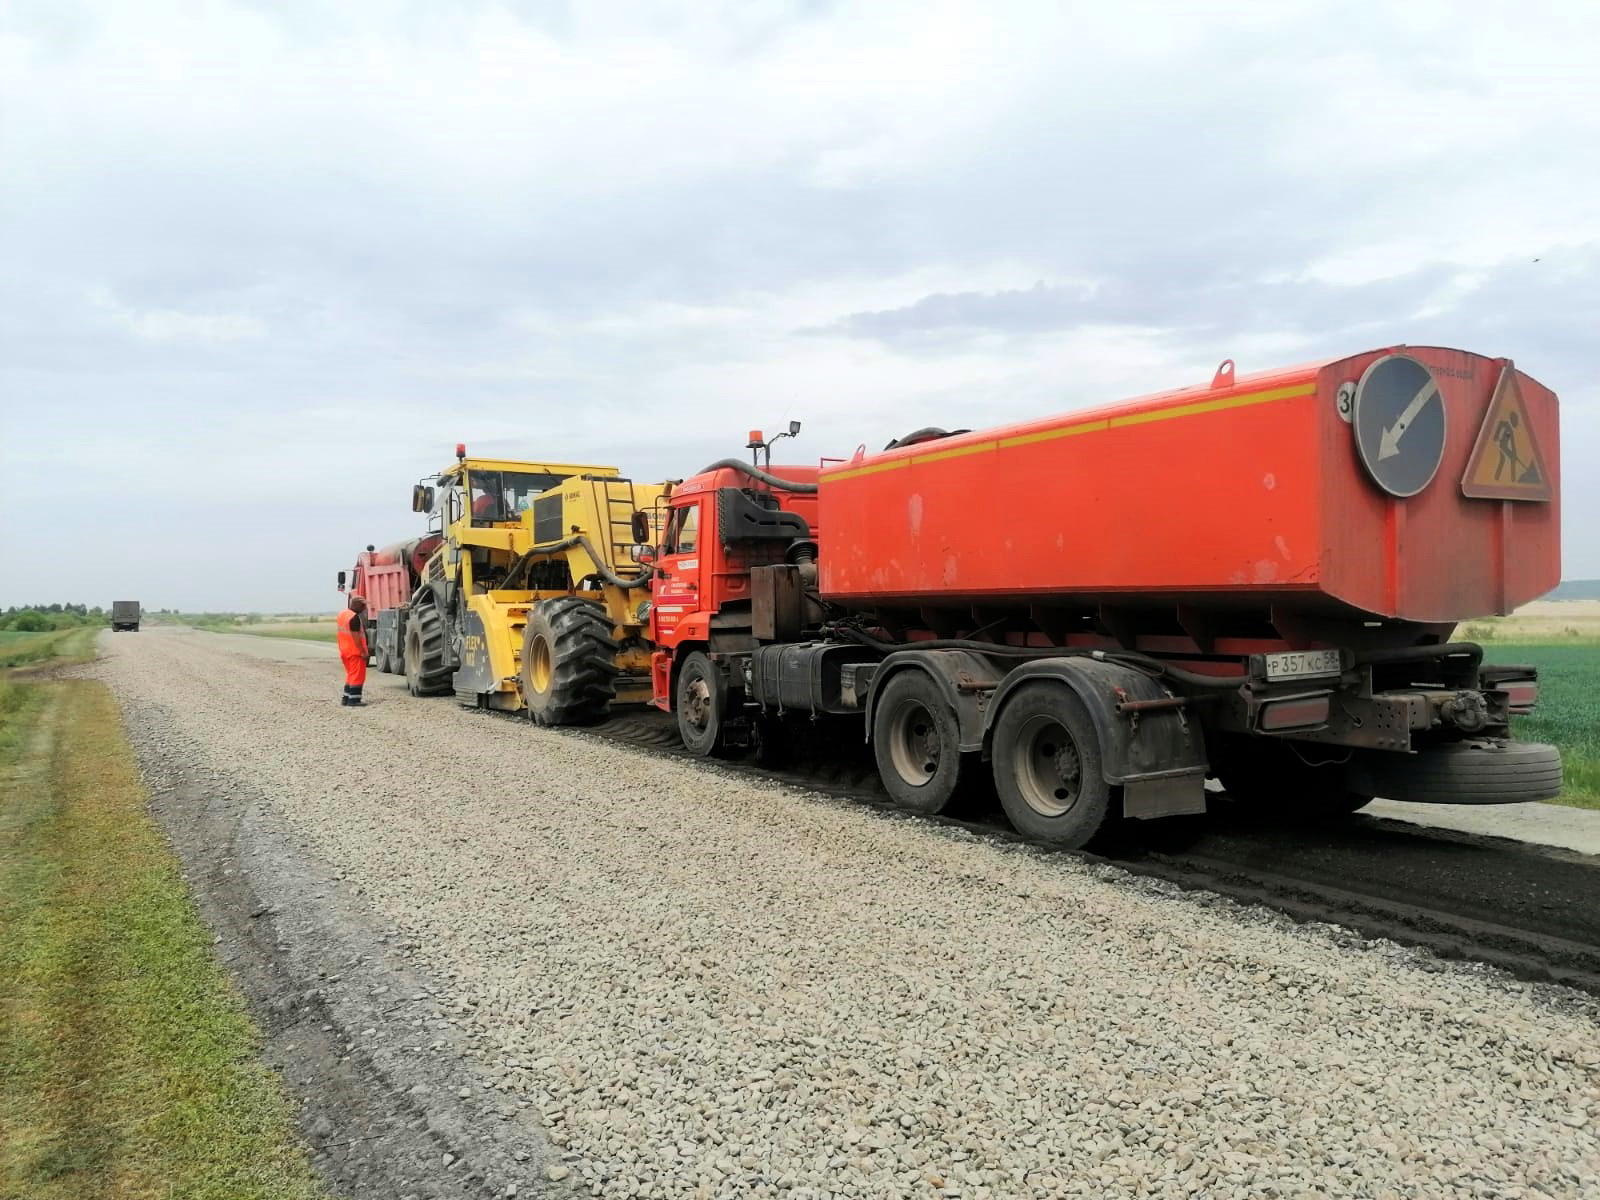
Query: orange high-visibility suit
(352, 629)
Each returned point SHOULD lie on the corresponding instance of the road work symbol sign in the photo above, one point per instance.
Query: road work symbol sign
(1506, 463)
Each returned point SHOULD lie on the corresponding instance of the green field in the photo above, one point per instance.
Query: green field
(1568, 712)
(303, 629)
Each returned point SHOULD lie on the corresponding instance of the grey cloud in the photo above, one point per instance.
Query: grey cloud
(1152, 192)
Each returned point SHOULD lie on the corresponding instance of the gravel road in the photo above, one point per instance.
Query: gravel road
(668, 980)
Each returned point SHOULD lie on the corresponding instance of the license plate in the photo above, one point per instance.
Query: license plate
(1301, 664)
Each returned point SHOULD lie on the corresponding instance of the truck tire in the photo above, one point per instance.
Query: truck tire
(917, 744)
(1265, 778)
(700, 702)
(426, 672)
(1047, 767)
(1481, 771)
(569, 663)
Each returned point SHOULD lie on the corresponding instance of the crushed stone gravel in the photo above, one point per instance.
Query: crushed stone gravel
(709, 986)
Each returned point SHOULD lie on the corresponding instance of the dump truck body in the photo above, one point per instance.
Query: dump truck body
(385, 578)
(125, 616)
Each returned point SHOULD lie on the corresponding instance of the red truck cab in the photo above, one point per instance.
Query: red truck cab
(720, 524)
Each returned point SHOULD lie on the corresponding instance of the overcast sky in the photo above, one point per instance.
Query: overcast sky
(265, 262)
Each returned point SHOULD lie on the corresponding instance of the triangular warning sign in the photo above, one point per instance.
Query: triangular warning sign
(1506, 463)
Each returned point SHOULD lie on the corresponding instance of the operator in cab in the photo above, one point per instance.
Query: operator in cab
(352, 628)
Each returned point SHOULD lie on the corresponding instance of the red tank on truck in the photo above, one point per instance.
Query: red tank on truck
(1256, 580)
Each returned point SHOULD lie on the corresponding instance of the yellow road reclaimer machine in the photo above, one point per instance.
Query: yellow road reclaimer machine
(533, 601)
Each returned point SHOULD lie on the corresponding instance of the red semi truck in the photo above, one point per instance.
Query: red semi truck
(1255, 580)
(386, 579)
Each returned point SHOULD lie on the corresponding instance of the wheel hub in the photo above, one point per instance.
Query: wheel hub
(539, 668)
(1050, 773)
(914, 745)
(698, 708)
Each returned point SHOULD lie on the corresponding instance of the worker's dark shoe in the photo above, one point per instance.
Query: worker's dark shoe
(355, 702)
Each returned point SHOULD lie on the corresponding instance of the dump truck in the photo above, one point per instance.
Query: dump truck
(386, 580)
(1255, 580)
(125, 616)
(533, 600)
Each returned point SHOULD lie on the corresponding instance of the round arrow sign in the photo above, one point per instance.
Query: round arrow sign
(1399, 424)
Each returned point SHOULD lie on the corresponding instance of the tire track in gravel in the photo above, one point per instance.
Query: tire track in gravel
(697, 984)
(1525, 909)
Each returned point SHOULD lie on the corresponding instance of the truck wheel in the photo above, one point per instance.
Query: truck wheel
(1481, 771)
(569, 663)
(917, 744)
(1265, 778)
(1047, 767)
(701, 704)
(426, 674)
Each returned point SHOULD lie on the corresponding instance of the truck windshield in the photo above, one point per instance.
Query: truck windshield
(503, 495)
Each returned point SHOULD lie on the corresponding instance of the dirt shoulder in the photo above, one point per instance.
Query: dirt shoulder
(364, 1042)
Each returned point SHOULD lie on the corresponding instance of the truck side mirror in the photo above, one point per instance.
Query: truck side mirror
(641, 527)
(421, 499)
(642, 554)
(341, 581)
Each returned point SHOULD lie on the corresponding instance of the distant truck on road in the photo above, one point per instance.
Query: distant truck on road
(124, 616)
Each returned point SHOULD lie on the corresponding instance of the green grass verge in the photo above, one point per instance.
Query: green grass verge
(128, 1067)
(256, 629)
(303, 635)
(1568, 712)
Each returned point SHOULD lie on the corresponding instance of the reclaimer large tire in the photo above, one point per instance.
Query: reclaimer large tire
(1481, 771)
(427, 670)
(569, 663)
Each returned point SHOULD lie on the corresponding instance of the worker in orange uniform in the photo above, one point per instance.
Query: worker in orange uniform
(352, 628)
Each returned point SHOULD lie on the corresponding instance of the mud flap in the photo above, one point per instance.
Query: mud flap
(1181, 795)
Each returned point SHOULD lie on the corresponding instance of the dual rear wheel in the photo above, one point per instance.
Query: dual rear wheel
(1045, 753)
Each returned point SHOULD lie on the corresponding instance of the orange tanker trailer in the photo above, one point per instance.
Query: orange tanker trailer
(1257, 579)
